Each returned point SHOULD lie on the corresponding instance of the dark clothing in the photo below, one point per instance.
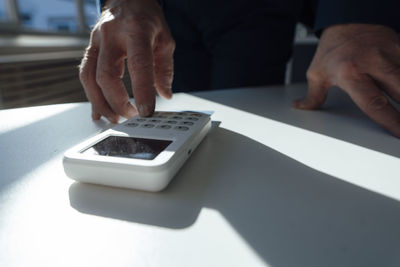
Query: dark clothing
(220, 45)
(236, 43)
(384, 12)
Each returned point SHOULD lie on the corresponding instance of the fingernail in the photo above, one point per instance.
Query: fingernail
(169, 91)
(95, 116)
(145, 110)
(130, 110)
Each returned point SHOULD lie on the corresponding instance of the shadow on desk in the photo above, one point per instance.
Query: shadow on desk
(290, 214)
(339, 117)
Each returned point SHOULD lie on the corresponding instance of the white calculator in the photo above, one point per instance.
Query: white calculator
(142, 153)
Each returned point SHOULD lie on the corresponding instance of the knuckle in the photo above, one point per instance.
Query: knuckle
(349, 71)
(83, 72)
(90, 52)
(83, 75)
(106, 28)
(377, 103)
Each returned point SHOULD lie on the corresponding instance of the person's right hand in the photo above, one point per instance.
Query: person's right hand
(134, 30)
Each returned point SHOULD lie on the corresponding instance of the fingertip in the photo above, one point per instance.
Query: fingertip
(168, 92)
(113, 119)
(96, 116)
(164, 91)
(145, 110)
(300, 104)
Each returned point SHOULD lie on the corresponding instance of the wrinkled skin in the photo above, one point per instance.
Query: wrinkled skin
(134, 30)
(364, 61)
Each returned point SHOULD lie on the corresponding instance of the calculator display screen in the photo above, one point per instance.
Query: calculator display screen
(128, 147)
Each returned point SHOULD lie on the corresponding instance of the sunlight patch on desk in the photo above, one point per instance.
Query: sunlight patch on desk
(35, 114)
(369, 169)
(219, 233)
(37, 211)
(32, 136)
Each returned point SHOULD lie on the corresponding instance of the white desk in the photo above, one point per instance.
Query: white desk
(269, 186)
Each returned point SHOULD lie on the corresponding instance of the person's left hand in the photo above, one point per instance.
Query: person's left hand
(364, 61)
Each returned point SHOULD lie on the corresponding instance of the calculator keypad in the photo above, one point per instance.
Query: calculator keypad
(178, 121)
(147, 125)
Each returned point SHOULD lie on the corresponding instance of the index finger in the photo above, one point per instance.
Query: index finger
(141, 70)
(373, 102)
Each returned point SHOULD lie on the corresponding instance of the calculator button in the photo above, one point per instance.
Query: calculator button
(176, 118)
(148, 125)
(140, 120)
(180, 114)
(132, 124)
(188, 123)
(192, 119)
(181, 128)
(172, 122)
(164, 127)
(154, 120)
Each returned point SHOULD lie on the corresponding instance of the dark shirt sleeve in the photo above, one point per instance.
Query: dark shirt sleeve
(384, 12)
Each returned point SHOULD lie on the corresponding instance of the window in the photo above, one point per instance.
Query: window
(41, 43)
(62, 16)
(3, 8)
(91, 12)
(48, 15)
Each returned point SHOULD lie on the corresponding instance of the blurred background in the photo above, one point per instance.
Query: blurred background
(42, 42)
(49, 15)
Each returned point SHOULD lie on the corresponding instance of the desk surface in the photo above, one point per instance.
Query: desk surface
(269, 186)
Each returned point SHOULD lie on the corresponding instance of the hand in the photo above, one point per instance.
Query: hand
(364, 61)
(134, 30)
